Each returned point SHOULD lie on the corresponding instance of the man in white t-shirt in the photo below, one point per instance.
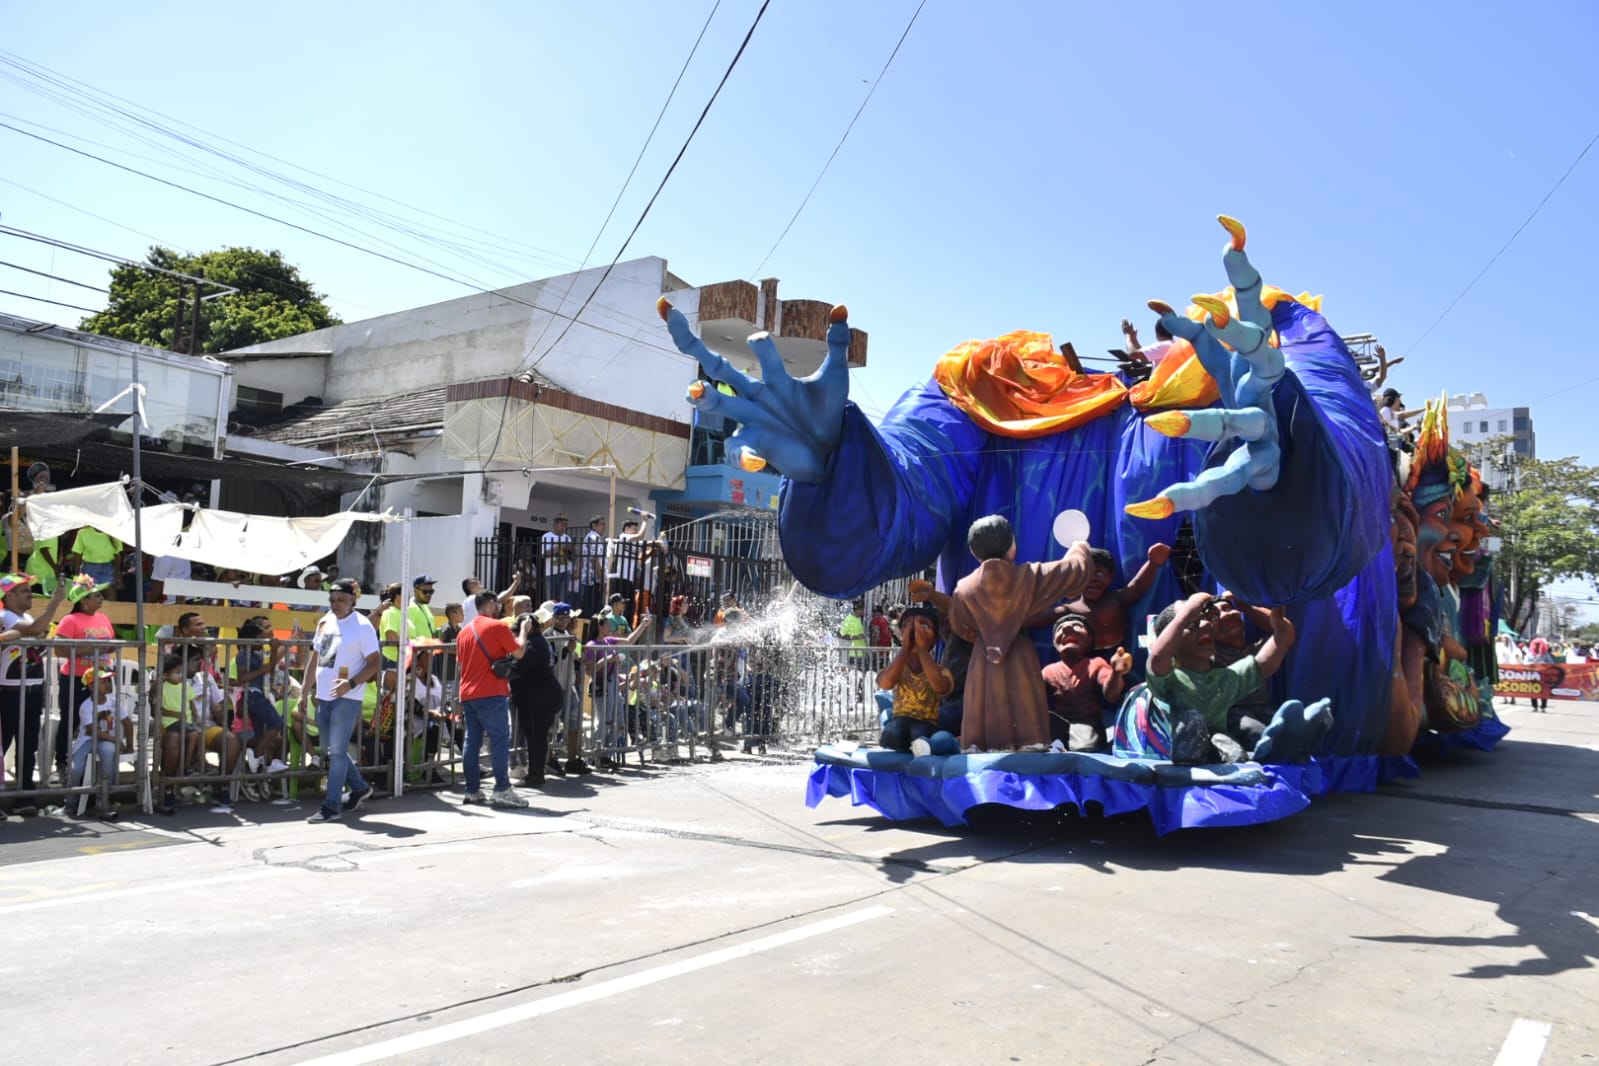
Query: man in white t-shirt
(345, 656)
(168, 568)
(22, 677)
(557, 551)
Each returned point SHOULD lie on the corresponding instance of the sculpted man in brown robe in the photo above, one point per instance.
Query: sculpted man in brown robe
(1006, 708)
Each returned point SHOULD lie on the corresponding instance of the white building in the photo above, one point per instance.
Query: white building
(1472, 422)
(490, 414)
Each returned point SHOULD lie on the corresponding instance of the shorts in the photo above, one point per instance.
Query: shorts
(263, 716)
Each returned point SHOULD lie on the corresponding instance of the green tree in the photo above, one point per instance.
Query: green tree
(155, 309)
(1548, 515)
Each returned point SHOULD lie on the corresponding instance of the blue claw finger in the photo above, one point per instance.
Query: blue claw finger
(690, 343)
(1212, 423)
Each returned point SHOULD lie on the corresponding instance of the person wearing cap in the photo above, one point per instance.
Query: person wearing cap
(310, 578)
(556, 549)
(618, 614)
(84, 622)
(566, 650)
(485, 698)
(536, 694)
(22, 672)
(344, 659)
(105, 727)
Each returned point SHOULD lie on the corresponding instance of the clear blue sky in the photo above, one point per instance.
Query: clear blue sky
(1039, 165)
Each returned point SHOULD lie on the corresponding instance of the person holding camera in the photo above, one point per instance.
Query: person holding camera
(484, 644)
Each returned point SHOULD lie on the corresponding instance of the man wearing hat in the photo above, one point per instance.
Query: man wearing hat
(22, 672)
(310, 578)
(565, 650)
(557, 552)
(344, 659)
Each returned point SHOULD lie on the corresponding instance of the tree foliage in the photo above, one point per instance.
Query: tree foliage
(274, 301)
(1548, 515)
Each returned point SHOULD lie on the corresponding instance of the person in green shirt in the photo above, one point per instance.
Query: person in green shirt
(102, 557)
(1185, 681)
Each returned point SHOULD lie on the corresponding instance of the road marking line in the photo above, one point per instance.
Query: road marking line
(70, 898)
(577, 997)
(1525, 1043)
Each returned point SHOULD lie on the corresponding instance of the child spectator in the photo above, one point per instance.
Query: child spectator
(918, 683)
(104, 722)
(1082, 687)
(1195, 692)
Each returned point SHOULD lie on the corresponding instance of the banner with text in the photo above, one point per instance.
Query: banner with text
(1553, 681)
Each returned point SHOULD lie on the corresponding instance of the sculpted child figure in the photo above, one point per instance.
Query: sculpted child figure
(1005, 708)
(1197, 693)
(1082, 686)
(918, 682)
(1106, 607)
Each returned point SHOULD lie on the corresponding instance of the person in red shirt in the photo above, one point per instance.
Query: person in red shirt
(85, 622)
(485, 699)
(879, 634)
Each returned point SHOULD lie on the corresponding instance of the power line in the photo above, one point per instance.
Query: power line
(879, 80)
(626, 182)
(1506, 245)
(728, 73)
(41, 299)
(55, 277)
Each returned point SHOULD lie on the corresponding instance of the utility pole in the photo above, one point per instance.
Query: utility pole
(194, 319)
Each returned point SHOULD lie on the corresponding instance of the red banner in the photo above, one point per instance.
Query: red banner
(1551, 681)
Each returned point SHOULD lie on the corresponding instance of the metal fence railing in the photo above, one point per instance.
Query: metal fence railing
(222, 721)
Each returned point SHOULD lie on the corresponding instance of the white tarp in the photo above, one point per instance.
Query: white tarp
(256, 544)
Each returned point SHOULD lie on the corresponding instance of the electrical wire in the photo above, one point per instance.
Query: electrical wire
(626, 182)
(54, 277)
(878, 81)
(726, 74)
(1503, 248)
(41, 299)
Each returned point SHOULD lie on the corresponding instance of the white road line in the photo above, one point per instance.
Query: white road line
(71, 899)
(1524, 1045)
(577, 997)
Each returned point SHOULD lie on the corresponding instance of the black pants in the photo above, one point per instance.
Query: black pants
(21, 711)
(73, 693)
(901, 729)
(536, 711)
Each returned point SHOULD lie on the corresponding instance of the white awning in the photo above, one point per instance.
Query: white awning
(256, 544)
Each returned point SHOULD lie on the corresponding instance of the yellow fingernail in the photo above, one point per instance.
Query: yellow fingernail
(1218, 310)
(751, 462)
(1235, 229)
(696, 390)
(1159, 507)
(838, 314)
(663, 307)
(1169, 423)
(1161, 307)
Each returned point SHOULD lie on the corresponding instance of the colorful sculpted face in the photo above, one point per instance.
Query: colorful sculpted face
(1435, 540)
(1465, 522)
(1404, 541)
(1196, 640)
(1072, 638)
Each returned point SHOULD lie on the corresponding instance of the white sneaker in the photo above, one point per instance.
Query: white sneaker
(314, 762)
(277, 766)
(921, 748)
(477, 798)
(507, 797)
(252, 760)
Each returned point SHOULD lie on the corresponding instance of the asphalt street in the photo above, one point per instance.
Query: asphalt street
(702, 914)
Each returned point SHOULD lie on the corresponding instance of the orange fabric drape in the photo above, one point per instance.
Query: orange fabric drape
(1018, 385)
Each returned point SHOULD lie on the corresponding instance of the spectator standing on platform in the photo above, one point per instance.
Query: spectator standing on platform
(556, 551)
(344, 659)
(101, 556)
(591, 568)
(485, 699)
(22, 674)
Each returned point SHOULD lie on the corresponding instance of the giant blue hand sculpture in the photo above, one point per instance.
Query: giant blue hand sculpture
(792, 423)
(1245, 375)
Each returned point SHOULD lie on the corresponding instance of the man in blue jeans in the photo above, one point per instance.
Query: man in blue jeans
(344, 658)
(485, 699)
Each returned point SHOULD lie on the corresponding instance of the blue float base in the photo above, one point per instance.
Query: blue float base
(902, 787)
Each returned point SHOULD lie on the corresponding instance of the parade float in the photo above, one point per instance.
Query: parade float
(1253, 438)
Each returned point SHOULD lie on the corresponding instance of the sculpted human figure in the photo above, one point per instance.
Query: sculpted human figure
(1005, 705)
